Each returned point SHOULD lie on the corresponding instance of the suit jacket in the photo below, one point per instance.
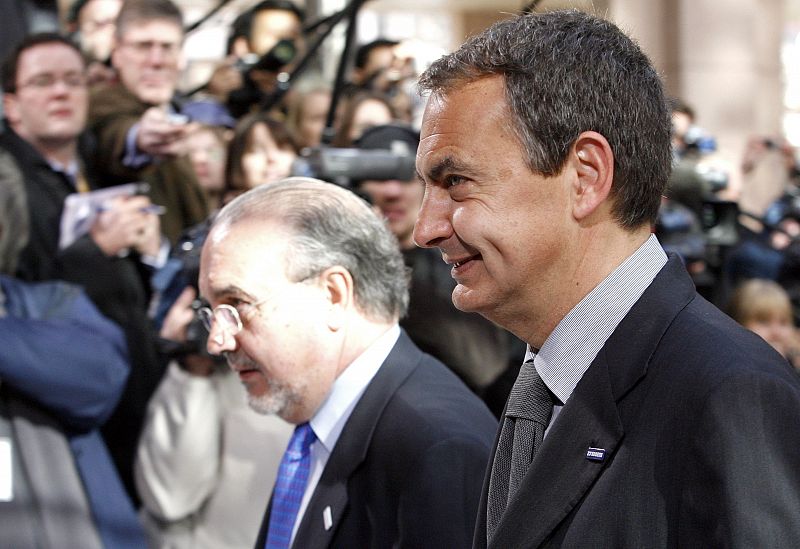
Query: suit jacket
(698, 422)
(118, 286)
(406, 469)
(173, 183)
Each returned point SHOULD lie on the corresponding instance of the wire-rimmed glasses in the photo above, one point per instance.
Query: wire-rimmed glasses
(227, 316)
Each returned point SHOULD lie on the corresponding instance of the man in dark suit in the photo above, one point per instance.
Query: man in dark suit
(642, 417)
(307, 286)
(140, 134)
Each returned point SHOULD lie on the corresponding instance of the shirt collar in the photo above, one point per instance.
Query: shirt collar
(331, 417)
(572, 346)
(70, 170)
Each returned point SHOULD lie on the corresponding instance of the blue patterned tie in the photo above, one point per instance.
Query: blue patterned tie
(289, 487)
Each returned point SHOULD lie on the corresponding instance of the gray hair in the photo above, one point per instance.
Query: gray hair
(330, 226)
(567, 72)
(14, 220)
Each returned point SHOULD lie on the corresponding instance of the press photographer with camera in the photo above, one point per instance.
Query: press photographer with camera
(203, 450)
(139, 131)
(264, 41)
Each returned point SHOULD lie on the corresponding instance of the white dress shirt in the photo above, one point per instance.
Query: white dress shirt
(332, 416)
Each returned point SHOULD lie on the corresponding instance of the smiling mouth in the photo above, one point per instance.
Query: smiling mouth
(463, 261)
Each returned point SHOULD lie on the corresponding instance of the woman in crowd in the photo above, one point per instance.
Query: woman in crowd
(763, 307)
(361, 112)
(262, 151)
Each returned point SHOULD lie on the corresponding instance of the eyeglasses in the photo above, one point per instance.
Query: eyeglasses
(144, 47)
(227, 316)
(48, 80)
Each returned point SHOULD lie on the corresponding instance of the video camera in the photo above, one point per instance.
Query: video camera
(346, 167)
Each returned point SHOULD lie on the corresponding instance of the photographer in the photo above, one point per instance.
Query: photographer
(202, 448)
(139, 133)
(265, 40)
(381, 66)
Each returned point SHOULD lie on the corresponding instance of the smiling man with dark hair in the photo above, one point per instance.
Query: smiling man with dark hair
(643, 416)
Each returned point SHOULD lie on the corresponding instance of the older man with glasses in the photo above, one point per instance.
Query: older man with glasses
(305, 286)
(139, 129)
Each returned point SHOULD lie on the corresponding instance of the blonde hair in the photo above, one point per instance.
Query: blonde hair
(760, 300)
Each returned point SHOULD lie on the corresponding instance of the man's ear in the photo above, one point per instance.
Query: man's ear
(10, 108)
(593, 162)
(338, 285)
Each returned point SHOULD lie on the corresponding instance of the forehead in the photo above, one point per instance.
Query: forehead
(95, 10)
(49, 57)
(246, 257)
(380, 55)
(275, 21)
(163, 30)
(203, 138)
(259, 136)
(467, 117)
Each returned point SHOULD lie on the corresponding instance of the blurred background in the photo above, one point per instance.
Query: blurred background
(735, 63)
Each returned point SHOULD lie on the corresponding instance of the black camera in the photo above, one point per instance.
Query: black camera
(281, 54)
(182, 270)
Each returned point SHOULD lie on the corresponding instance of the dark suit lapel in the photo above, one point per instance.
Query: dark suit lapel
(563, 471)
(329, 502)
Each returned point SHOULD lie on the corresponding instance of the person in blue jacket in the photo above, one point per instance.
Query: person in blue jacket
(62, 369)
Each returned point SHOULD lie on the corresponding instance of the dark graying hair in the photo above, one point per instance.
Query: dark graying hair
(330, 226)
(14, 221)
(567, 72)
(144, 11)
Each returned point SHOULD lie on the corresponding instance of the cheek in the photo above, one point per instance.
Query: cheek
(253, 165)
(413, 197)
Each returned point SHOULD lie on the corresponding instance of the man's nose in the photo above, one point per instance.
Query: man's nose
(433, 222)
(392, 188)
(220, 340)
(156, 55)
(60, 87)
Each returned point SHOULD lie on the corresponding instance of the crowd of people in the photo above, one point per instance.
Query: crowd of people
(144, 231)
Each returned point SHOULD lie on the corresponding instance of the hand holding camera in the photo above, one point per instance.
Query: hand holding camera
(162, 133)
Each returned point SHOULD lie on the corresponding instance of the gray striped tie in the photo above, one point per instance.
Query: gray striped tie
(528, 412)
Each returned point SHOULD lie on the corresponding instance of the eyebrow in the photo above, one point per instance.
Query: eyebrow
(228, 291)
(446, 164)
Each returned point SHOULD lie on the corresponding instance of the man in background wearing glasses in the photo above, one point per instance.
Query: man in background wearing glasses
(305, 286)
(139, 131)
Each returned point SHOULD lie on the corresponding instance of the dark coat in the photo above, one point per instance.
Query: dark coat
(407, 468)
(699, 422)
(173, 183)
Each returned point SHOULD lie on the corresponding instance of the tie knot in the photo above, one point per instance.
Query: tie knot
(301, 441)
(530, 398)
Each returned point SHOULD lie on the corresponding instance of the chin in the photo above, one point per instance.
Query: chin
(155, 96)
(465, 299)
(264, 404)
(472, 301)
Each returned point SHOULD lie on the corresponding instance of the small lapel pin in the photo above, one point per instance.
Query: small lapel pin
(596, 454)
(327, 518)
